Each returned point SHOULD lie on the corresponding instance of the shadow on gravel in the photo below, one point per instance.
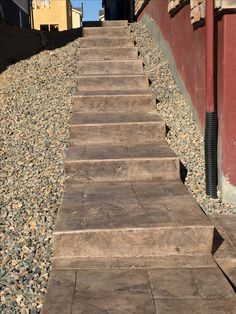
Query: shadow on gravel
(20, 43)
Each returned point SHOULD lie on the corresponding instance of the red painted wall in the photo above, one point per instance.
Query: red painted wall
(227, 95)
(188, 48)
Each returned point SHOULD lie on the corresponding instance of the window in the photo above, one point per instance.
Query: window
(44, 27)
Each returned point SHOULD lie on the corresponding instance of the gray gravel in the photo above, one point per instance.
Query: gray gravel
(35, 107)
(184, 136)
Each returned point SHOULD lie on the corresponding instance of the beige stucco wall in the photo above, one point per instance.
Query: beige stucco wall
(76, 19)
(56, 12)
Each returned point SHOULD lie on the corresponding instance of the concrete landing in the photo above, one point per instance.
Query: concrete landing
(141, 286)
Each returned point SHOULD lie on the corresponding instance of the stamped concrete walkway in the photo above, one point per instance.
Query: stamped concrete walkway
(129, 238)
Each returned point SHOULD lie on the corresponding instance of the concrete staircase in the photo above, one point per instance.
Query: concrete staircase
(129, 238)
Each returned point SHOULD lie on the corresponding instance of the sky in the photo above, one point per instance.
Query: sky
(91, 8)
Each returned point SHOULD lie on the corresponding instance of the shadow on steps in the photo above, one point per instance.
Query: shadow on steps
(217, 241)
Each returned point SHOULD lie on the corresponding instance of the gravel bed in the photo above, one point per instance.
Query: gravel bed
(184, 136)
(35, 108)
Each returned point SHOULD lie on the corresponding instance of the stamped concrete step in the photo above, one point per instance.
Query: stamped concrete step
(140, 286)
(118, 219)
(110, 67)
(117, 92)
(116, 127)
(115, 23)
(121, 162)
(225, 255)
(119, 42)
(116, 31)
(112, 82)
(139, 101)
(108, 53)
(108, 23)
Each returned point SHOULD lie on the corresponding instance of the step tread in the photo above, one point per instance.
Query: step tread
(128, 205)
(109, 53)
(109, 48)
(111, 82)
(110, 76)
(112, 62)
(118, 151)
(91, 38)
(129, 103)
(109, 93)
(116, 31)
(114, 117)
(112, 67)
(108, 41)
(106, 28)
(109, 61)
(141, 290)
(115, 22)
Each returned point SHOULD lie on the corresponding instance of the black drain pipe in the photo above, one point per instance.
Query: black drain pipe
(211, 116)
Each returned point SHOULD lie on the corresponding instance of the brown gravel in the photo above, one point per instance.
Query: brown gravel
(35, 109)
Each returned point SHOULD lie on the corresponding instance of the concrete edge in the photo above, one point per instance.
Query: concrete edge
(228, 191)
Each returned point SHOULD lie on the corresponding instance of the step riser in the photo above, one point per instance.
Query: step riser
(102, 42)
(112, 83)
(133, 243)
(115, 23)
(106, 31)
(108, 54)
(135, 132)
(114, 103)
(111, 67)
(123, 170)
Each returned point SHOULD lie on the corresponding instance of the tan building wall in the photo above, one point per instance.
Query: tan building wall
(52, 12)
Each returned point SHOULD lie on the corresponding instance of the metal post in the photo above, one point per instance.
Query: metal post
(132, 11)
